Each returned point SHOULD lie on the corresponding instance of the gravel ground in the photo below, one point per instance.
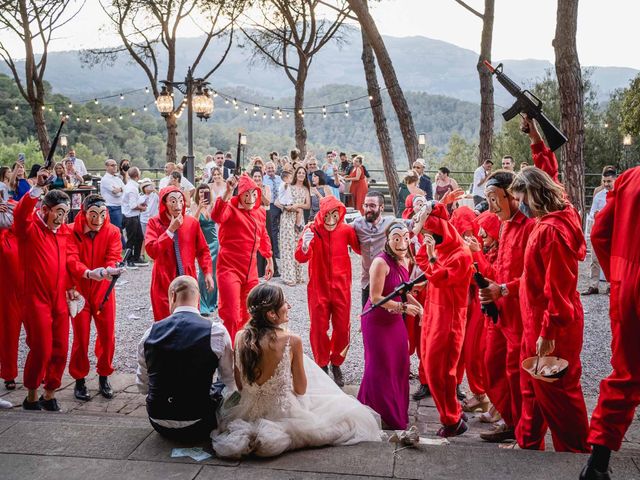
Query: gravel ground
(134, 317)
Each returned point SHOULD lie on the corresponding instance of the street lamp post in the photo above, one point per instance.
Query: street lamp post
(627, 141)
(198, 100)
(64, 143)
(422, 143)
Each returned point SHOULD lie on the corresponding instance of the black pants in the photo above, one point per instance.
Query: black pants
(260, 260)
(134, 236)
(273, 228)
(198, 432)
(365, 295)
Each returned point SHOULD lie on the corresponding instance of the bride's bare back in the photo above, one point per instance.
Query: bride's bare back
(272, 353)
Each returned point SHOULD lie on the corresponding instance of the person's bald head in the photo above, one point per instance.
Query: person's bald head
(183, 292)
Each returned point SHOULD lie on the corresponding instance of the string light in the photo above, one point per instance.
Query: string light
(346, 113)
(246, 110)
(43, 107)
(108, 119)
(324, 110)
(121, 97)
(99, 120)
(287, 114)
(133, 113)
(370, 97)
(16, 107)
(120, 117)
(226, 101)
(346, 104)
(264, 115)
(145, 108)
(95, 100)
(70, 105)
(146, 89)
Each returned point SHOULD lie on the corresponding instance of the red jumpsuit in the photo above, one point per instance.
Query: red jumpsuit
(160, 246)
(103, 250)
(614, 238)
(329, 288)
(472, 358)
(48, 258)
(11, 300)
(551, 308)
(445, 312)
(502, 352)
(408, 207)
(242, 233)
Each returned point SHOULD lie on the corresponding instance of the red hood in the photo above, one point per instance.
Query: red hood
(162, 211)
(408, 206)
(327, 204)
(567, 223)
(438, 222)
(79, 221)
(246, 183)
(463, 219)
(490, 222)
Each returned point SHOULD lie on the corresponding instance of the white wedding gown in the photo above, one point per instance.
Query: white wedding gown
(270, 418)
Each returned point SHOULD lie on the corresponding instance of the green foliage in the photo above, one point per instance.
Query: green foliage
(630, 108)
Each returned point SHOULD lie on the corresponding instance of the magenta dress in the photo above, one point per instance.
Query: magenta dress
(385, 383)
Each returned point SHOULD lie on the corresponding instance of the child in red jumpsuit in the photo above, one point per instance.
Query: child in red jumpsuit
(325, 245)
(447, 263)
(99, 245)
(614, 238)
(174, 241)
(242, 234)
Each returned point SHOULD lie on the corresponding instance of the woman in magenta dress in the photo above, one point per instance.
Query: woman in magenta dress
(385, 383)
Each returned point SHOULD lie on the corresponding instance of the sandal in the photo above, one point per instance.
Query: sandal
(491, 416)
(10, 384)
(475, 403)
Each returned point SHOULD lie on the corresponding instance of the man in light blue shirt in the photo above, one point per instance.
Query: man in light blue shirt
(274, 182)
(598, 203)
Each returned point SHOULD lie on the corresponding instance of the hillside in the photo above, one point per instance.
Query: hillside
(422, 65)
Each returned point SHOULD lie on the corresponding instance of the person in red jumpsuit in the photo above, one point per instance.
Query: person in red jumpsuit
(11, 299)
(503, 339)
(472, 358)
(447, 263)
(325, 245)
(99, 245)
(614, 238)
(552, 315)
(242, 234)
(174, 241)
(49, 257)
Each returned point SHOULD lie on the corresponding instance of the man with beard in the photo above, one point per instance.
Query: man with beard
(503, 339)
(447, 264)
(370, 230)
(49, 252)
(242, 234)
(98, 244)
(174, 240)
(325, 245)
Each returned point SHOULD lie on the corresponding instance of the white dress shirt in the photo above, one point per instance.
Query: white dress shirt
(152, 201)
(80, 167)
(107, 184)
(185, 185)
(220, 346)
(599, 201)
(479, 175)
(131, 199)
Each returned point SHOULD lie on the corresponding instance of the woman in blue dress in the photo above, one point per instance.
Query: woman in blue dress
(204, 200)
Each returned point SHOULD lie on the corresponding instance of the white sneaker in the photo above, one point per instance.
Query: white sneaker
(5, 404)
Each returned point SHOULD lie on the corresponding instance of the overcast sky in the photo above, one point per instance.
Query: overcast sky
(608, 33)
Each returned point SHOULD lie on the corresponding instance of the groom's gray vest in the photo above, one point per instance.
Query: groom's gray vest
(180, 365)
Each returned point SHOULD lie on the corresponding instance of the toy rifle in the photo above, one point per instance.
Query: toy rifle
(527, 103)
(114, 279)
(54, 143)
(401, 290)
(489, 309)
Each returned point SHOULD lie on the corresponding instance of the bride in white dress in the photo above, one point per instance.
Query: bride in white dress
(286, 400)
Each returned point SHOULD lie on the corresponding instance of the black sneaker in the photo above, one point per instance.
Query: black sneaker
(105, 388)
(27, 405)
(139, 262)
(337, 375)
(422, 392)
(131, 266)
(50, 405)
(590, 473)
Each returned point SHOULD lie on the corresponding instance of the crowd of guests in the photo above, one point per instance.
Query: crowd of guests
(421, 294)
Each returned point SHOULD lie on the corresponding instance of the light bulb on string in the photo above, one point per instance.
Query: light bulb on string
(133, 113)
(256, 107)
(235, 102)
(264, 115)
(71, 105)
(346, 113)
(324, 109)
(77, 119)
(246, 110)
(86, 120)
(370, 97)
(324, 114)
(99, 120)
(95, 100)
(145, 108)
(108, 119)
(121, 97)
(16, 108)
(43, 107)
(288, 115)
(346, 104)
(215, 94)
(50, 109)
(226, 101)
(146, 89)
(272, 116)
(255, 114)
(120, 117)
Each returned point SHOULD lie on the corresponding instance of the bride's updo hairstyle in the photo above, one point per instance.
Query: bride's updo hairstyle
(262, 299)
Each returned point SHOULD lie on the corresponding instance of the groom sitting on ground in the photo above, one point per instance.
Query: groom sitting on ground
(177, 358)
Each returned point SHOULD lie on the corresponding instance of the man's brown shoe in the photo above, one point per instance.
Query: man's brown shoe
(500, 434)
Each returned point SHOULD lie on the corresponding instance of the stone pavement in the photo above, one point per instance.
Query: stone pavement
(103, 439)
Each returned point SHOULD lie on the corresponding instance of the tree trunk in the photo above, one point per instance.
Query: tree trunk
(571, 101)
(379, 119)
(172, 137)
(368, 25)
(300, 131)
(41, 128)
(485, 145)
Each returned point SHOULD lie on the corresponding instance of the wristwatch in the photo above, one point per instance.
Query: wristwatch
(504, 291)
